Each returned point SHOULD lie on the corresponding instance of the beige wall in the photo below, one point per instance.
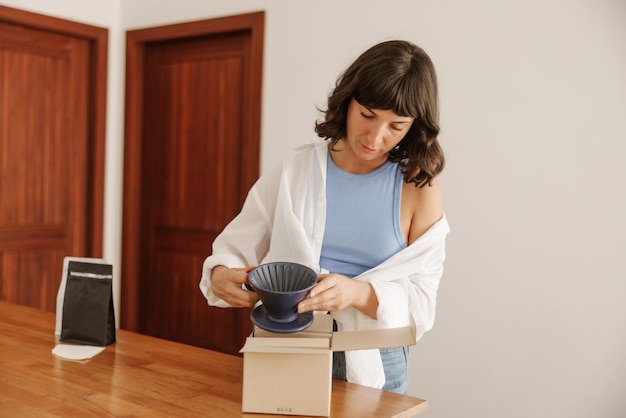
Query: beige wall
(530, 320)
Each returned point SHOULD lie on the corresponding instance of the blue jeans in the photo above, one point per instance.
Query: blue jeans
(395, 364)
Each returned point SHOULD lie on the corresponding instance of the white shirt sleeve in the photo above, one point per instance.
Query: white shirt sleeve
(246, 239)
(293, 193)
(405, 284)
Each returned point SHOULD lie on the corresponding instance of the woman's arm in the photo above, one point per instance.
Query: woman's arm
(421, 208)
(242, 244)
(335, 292)
(227, 284)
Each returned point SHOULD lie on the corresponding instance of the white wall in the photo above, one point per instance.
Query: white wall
(530, 318)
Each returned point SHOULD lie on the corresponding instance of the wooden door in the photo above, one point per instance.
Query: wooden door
(51, 152)
(198, 138)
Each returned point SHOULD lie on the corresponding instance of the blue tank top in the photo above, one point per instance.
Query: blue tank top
(362, 218)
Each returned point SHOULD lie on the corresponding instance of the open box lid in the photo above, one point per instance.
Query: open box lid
(319, 338)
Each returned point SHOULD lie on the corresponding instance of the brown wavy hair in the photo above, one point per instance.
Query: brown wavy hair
(399, 76)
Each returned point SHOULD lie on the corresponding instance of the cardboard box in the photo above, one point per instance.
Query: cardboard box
(291, 374)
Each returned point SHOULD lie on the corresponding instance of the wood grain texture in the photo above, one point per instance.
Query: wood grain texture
(192, 141)
(52, 113)
(142, 376)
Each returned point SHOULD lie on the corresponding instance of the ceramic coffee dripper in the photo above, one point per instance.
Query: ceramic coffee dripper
(281, 286)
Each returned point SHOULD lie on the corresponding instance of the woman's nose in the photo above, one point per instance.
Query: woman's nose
(377, 134)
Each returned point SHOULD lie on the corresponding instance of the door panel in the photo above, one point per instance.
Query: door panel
(198, 160)
(192, 140)
(45, 109)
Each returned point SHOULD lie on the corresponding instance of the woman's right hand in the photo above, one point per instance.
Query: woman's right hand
(227, 284)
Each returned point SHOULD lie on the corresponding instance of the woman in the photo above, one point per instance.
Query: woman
(363, 208)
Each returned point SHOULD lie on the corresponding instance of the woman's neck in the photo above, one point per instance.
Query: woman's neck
(344, 158)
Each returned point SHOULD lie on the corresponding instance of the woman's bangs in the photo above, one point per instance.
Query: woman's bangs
(388, 94)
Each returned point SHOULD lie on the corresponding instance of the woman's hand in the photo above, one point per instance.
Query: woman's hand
(227, 284)
(334, 292)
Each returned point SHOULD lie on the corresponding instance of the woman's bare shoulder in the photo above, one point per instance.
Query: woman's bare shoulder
(425, 205)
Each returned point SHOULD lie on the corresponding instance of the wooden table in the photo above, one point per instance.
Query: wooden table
(142, 376)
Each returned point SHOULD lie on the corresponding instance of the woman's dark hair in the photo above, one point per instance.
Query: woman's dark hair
(398, 76)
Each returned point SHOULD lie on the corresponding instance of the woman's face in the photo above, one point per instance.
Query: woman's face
(372, 133)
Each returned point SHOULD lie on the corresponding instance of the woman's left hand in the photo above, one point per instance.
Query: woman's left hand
(334, 292)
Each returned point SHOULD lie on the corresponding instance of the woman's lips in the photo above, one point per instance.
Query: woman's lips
(367, 149)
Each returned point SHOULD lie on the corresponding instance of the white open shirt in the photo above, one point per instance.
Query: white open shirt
(294, 194)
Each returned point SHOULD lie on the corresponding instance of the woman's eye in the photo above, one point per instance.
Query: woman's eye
(395, 128)
(367, 116)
